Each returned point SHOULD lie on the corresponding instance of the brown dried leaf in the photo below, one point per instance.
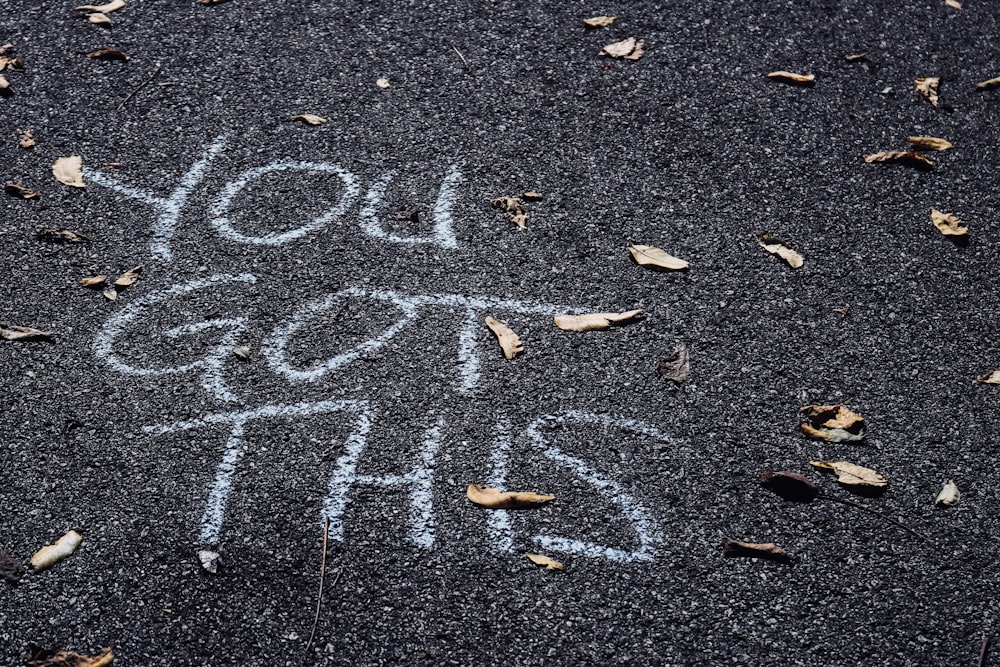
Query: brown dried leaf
(832, 423)
(855, 57)
(7, 58)
(38, 657)
(677, 367)
(112, 6)
(769, 550)
(851, 474)
(310, 119)
(793, 78)
(948, 224)
(993, 377)
(908, 158)
(60, 236)
(69, 171)
(128, 278)
(930, 143)
(100, 19)
(18, 190)
(627, 49)
(656, 258)
(15, 332)
(211, 2)
(596, 321)
(514, 208)
(790, 486)
(549, 564)
(107, 53)
(927, 87)
(495, 499)
(777, 247)
(93, 281)
(11, 570)
(531, 196)
(599, 21)
(27, 140)
(509, 342)
(989, 84)
(111, 294)
(954, 4)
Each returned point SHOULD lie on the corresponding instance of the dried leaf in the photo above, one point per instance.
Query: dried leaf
(908, 158)
(211, 2)
(514, 208)
(37, 657)
(111, 294)
(948, 224)
(655, 258)
(509, 342)
(60, 236)
(949, 495)
(310, 119)
(8, 60)
(531, 196)
(769, 550)
(930, 143)
(989, 84)
(50, 555)
(855, 57)
(677, 367)
(4, 84)
(954, 4)
(107, 53)
(210, 560)
(93, 281)
(927, 87)
(627, 49)
(790, 486)
(128, 278)
(495, 499)
(382, 82)
(100, 19)
(11, 570)
(599, 21)
(596, 321)
(832, 423)
(112, 6)
(27, 140)
(14, 332)
(18, 190)
(776, 246)
(242, 352)
(793, 78)
(851, 474)
(69, 171)
(549, 564)
(992, 377)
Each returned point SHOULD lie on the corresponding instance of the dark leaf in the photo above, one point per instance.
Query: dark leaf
(676, 367)
(790, 486)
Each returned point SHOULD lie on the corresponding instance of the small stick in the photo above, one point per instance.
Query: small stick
(464, 61)
(845, 501)
(984, 651)
(322, 574)
(156, 73)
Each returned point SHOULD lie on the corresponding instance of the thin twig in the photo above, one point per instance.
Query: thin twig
(984, 651)
(156, 73)
(464, 61)
(322, 574)
(845, 501)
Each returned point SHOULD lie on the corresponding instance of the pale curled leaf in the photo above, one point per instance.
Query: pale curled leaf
(112, 6)
(851, 474)
(930, 143)
(792, 78)
(111, 294)
(677, 367)
(545, 561)
(908, 158)
(310, 119)
(15, 332)
(596, 321)
(627, 49)
(656, 258)
(99, 19)
(93, 281)
(495, 499)
(50, 555)
(242, 352)
(832, 423)
(39, 657)
(4, 84)
(532, 196)
(948, 224)
(20, 191)
(509, 342)
(209, 560)
(382, 83)
(779, 248)
(128, 278)
(927, 87)
(993, 377)
(60, 236)
(69, 171)
(767, 550)
(599, 21)
(949, 495)
(954, 4)
(989, 84)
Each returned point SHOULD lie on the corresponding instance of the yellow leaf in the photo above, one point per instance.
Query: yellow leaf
(927, 87)
(851, 474)
(833, 423)
(595, 321)
(990, 378)
(112, 6)
(908, 158)
(599, 21)
(930, 143)
(627, 49)
(989, 84)
(948, 224)
(949, 495)
(93, 281)
(310, 119)
(793, 78)
(48, 556)
(495, 499)
(655, 258)
(549, 564)
(509, 342)
(69, 171)
(781, 249)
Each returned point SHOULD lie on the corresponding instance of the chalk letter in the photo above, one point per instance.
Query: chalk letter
(442, 235)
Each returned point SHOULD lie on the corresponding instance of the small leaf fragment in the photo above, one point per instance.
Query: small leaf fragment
(930, 143)
(20, 191)
(99, 19)
(38, 657)
(209, 3)
(532, 196)
(112, 6)
(107, 53)
(69, 171)
(596, 321)
(627, 49)
(15, 332)
(509, 342)
(599, 21)
(11, 570)
(855, 57)
(791, 486)
(128, 278)
(382, 82)
(93, 281)
(495, 499)
(832, 423)
(27, 140)
(779, 248)
(989, 84)
(927, 87)
(549, 563)
(793, 78)
(768, 550)
(209, 560)
(949, 495)
(954, 4)
(310, 119)
(60, 236)
(242, 352)
(909, 158)
(948, 224)
(677, 367)
(656, 258)
(514, 208)
(4, 85)
(993, 377)
(851, 474)
(50, 555)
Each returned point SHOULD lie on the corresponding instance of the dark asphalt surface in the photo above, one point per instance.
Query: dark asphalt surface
(690, 148)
